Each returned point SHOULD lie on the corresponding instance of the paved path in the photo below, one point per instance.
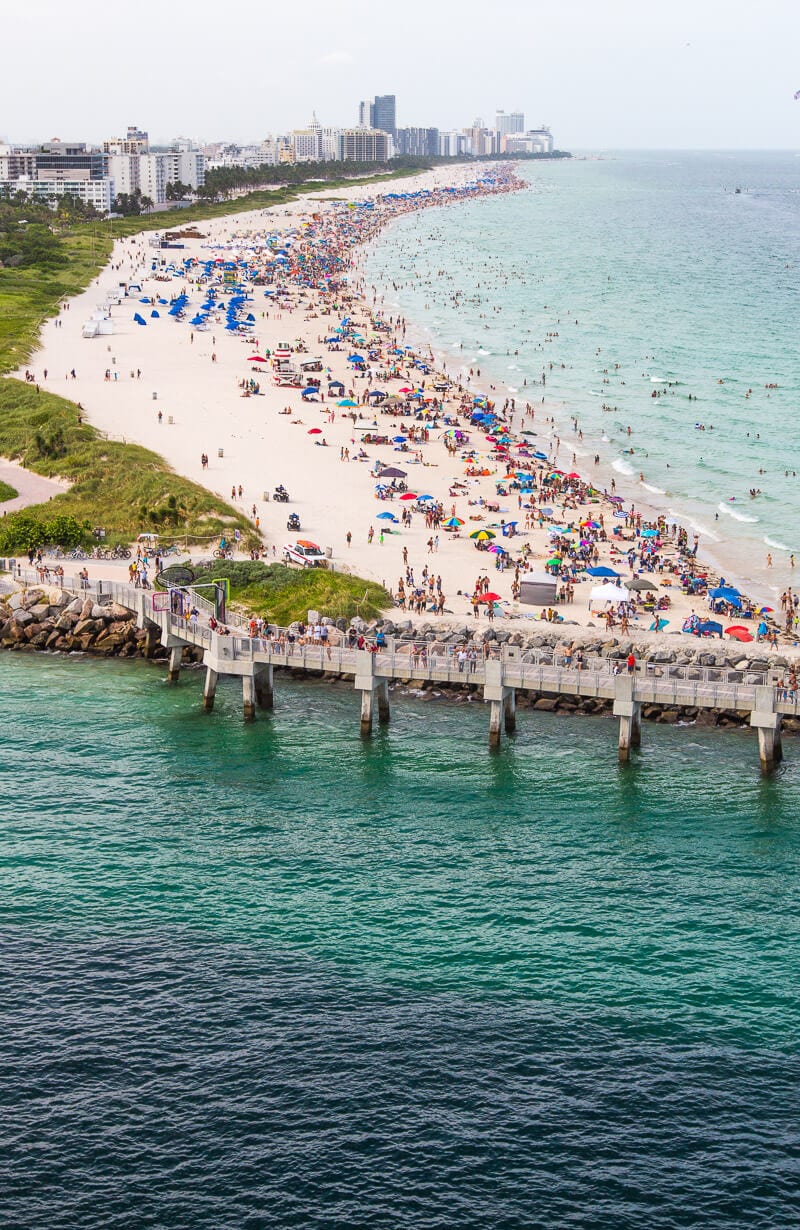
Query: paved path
(32, 488)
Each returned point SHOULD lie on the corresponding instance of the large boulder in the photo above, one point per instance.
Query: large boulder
(23, 617)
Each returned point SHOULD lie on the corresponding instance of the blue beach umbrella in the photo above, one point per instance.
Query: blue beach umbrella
(140, 320)
(386, 516)
(601, 571)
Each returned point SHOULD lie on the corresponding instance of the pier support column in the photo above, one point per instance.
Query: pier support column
(249, 696)
(175, 657)
(495, 714)
(264, 686)
(152, 637)
(510, 710)
(629, 712)
(367, 695)
(210, 689)
(768, 724)
(382, 694)
(502, 700)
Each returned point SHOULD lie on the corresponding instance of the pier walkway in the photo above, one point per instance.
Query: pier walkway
(500, 671)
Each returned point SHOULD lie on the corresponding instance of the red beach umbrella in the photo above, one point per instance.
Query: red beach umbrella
(315, 431)
(409, 495)
(256, 358)
(489, 598)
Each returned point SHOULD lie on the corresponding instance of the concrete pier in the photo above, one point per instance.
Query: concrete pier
(767, 721)
(210, 689)
(629, 712)
(175, 656)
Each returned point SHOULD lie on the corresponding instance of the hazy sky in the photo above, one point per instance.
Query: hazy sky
(601, 73)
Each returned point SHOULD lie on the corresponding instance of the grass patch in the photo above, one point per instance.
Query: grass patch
(283, 594)
(125, 488)
(7, 492)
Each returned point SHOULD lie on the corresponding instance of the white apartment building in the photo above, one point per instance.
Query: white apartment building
(97, 192)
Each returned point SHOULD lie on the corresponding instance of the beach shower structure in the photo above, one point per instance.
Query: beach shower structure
(180, 618)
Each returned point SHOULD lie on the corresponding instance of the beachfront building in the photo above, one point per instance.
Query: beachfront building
(56, 169)
(535, 141)
(149, 173)
(453, 145)
(307, 142)
(363, 145)
(508, 122)
(135, 141)
(481, 141)
(417, 142)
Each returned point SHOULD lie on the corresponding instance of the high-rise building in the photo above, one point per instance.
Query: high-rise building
(379, 112)
(514, 121)
(363, 145)
(417, 142)
(384, 113)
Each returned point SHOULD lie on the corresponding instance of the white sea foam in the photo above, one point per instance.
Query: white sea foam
(594, 393)
(776, 546)
(733, 512)
(621, 467)
(655, 490)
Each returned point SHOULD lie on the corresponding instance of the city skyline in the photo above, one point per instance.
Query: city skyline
(617, 78)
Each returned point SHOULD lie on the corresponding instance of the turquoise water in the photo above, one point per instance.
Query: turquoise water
(274, 975)
(669, 274)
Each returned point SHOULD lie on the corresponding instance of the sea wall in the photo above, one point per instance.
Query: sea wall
(38, 619)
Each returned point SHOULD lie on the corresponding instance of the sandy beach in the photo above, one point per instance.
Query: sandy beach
(182, 389)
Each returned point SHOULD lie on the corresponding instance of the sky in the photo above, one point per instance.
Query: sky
(603, 74)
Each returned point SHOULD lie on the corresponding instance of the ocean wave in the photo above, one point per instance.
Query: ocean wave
(655, 490)
(621, 467)
(732, 512)
(776, 546)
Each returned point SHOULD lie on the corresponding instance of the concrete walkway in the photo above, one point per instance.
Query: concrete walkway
(32, 488)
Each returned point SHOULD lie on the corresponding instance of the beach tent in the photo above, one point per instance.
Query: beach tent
(601, 571)
(140, 320)
(610, 593)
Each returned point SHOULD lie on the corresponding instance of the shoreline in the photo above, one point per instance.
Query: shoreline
(209, 409)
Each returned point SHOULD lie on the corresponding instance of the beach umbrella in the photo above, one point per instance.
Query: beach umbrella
(315, 431)
(386, 516)
(307, 392)
(482, 535)
(640, 584)
(765, 610)
(256, 358)
(728, 592)
(398, 439)
(408, 495)
(649, 533)
(601, 571)
(454, 522)
(140, 320)
(489, 598)
(346, 401)
(391, 472)
(421, 498)
(554, 562)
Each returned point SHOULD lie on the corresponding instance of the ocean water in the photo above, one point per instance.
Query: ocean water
(623, 276)
(272, 975)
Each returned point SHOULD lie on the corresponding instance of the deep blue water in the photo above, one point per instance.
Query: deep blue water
(270, 975)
